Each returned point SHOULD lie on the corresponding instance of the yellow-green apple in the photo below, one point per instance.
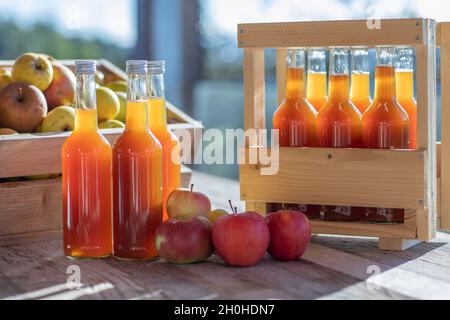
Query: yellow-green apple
(290, 234)
(112, 123)
(22, 107)
(61, 90)
(216, 213)
(7, 131)
(241, 239)
(5, 77)
(184, 240)
(187, 203)
(118, 85)
(32, 68)
(121, 116)
(61, 118)
(108, 104)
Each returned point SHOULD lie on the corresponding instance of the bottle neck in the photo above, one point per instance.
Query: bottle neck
(137, 102)
(404, 82)
(156, 103)
(385, 82)
(360, 88)
(295, 84)
(339, 85)
(85, 103)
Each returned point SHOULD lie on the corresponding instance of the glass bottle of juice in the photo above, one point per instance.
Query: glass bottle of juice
(86, 176)
(158, 126)
(339, 124)
(360, 88)
(316, 85)
(385, 123)
(404, 81)
(295, 117)
(137, 174)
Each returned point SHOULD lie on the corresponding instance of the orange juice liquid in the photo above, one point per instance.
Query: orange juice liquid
(404, 81)
(170, 148)
(316, 89)
(339, 126)
(360, 90)
(295, 119)
(86, 187)
(137, 177)
(385, 125)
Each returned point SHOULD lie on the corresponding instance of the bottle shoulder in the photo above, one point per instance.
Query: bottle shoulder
(92, 141)
(137, 141)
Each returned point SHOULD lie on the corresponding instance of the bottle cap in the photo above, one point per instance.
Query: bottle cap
(136, 66)
(156, 66)
(85, 66)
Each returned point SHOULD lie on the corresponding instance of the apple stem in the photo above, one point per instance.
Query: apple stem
(235, 210)
(231, 206)
(192, 187)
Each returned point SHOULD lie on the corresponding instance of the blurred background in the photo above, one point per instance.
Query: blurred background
(197, 38)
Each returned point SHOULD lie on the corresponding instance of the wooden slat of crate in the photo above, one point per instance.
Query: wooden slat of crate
(406, 230)
(330, 33)
(358, 177)
(30, 210)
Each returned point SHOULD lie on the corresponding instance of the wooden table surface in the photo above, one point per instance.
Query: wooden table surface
(332, 268)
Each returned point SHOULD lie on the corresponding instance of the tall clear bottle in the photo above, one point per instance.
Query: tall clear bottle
(316, 85)
(158, 126)
(295, 117)
(339, 124)
(137, 173)
(385, 123)
(360, 82)
(404, 82)
(86, 176)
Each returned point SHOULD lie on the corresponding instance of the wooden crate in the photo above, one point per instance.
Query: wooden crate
(356, 177)
(32, 209)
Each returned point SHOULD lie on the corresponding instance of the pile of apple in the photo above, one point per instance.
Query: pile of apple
(38, 93)
(193, 231)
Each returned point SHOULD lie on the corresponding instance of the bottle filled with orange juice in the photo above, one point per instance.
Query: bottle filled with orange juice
(360, 88)
(295, 117)
(158, 126)
(86, 176)
(316, 86)
(404, 81)
(137, 174)
(339, 124)
(385, 123)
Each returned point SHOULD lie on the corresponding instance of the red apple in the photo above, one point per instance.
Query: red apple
(62, 88)
(241, 239)
(290, 234)
(22, 107)
(187, 203)
(181, 240)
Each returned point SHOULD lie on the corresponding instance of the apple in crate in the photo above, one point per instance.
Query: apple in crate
(22, 107)
(62, 88)
(33, 68)
(184, 240)
(241, 239)
(290, 234)
(187, 203)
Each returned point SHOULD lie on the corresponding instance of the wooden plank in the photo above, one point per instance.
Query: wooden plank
(445, 129)
(281, 74)
(406, 230)
(254, 92)
(330, 33)
(426, 124)
(358, 177)
(40, 153)
(31, 210)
